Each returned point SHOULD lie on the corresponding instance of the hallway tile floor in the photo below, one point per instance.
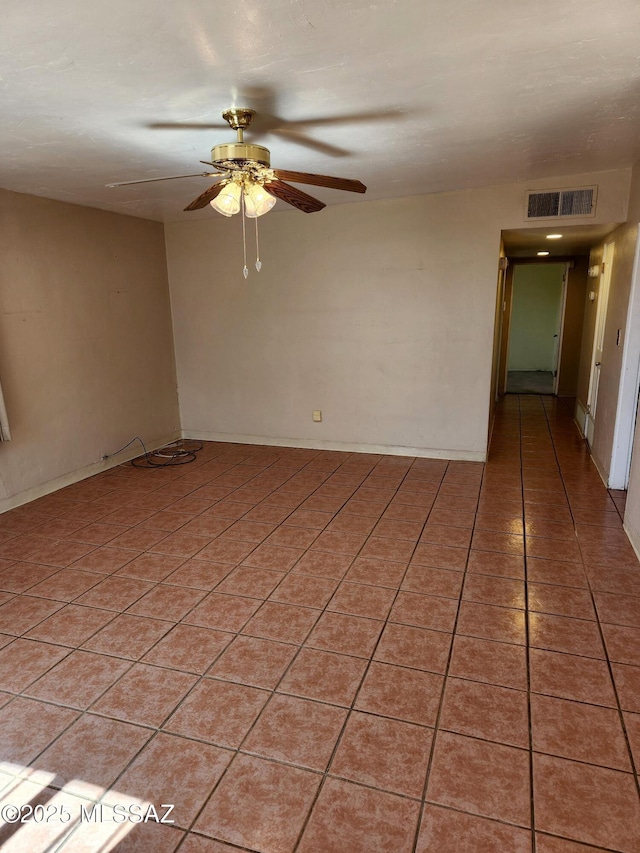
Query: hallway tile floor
(325, 652)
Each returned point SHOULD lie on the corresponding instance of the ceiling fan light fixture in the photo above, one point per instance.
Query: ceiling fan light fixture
(227, 202)
(257, 201)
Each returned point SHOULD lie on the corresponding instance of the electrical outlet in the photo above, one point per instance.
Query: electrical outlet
(317, 416)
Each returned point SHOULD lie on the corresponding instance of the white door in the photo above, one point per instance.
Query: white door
(598, 340)
(557, 338)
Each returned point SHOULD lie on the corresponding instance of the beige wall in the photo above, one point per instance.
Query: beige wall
(610, 372)
(86, 356)
(572, 329)
(379, 313)
(632, 511)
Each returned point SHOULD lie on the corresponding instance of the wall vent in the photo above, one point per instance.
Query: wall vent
(555, 204)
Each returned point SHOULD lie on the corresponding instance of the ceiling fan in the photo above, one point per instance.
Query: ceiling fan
(247, 181)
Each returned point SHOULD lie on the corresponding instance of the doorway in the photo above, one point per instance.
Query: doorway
(535, 328)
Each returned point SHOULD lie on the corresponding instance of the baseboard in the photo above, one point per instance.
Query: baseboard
(580, 417)
(347, 446)
(81, 474)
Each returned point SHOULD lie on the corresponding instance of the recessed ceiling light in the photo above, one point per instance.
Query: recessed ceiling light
(540, 254)
(554, 236)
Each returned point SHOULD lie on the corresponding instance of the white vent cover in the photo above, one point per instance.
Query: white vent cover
(554, 204)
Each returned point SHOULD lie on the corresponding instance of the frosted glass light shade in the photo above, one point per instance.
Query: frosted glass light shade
(257, 201)
(227, 202)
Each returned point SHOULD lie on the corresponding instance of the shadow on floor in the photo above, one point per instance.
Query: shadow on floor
(529, 382)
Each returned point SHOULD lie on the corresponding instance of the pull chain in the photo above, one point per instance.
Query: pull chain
(245, 271)
(258, 261)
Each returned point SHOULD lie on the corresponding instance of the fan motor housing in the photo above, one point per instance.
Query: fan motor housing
(240, 152)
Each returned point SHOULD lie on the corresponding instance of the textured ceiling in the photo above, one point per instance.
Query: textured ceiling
(407, 96)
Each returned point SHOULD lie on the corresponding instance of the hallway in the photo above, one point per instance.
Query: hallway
(326, 652)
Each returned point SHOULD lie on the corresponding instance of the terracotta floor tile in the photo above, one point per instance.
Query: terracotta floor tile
(579, 731)
(314, 519)
(296, 731)
(105, 560)
(200, 844)
(486, 711)
(406, 694)
(227, 551)
(496, 564)
(188, 648)
(94, 751)
(348, 523)
(200, 574)
(323, 564)
(350, 635)
(616, 609)
(623, 644)
(184, 772)
(443, 582)
(325, 676)
(424, 611)
(128, 636)
(551, 844)
(555, 572)
(71, 625)
(24, 612)
(384, 753)
(561, 634)
(446, 831)
(502, 592)
(506, 543)
(304, 590)
(253, 661)
(487, 779)
(493, 663)
(66, 584)
(371, 570)
(255, 793)
(452, 517)
(22, 661)
(440, 556)
(389, 549)
(565, 550)
(145, 694)
(627, 679)
(360, 820)
(167, 602)
(571, 677)
(590, 804)
(441, 534)
(339, 543)
(511, 523)
(78, 680)
(250, 582)
(360, 600)
(291, 537)
(420, 648)
(561, 601)
(115, 593)
(223, 612)
(218, 712)
(285, 622)
(19, 577)
(135, 538)
(27, 727)
(274, 557)
(491, 623)
(150, 567)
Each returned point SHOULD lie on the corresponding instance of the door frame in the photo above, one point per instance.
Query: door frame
(507, 308)
(604, 286)
(627, 408)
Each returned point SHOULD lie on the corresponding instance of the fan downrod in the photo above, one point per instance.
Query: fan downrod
(238, 118)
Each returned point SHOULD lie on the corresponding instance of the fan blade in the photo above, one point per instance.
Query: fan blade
(293, 196)
(205, 197)
(306, 141)
(321, 181)
(169, 178)
(186, 125)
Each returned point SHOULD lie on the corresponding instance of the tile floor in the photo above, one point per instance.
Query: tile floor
(326, 653)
